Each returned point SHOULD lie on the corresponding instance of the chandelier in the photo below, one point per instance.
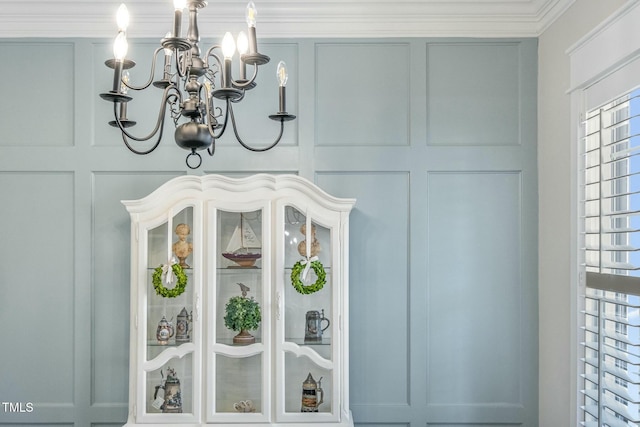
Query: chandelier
(198, 91)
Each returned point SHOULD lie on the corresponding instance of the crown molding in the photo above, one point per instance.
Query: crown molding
(290, 18)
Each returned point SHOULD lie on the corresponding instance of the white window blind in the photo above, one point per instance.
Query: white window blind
(611, 231)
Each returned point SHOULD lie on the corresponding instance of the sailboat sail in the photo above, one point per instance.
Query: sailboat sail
(243, 238)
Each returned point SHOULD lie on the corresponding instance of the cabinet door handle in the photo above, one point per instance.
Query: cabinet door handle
(278, 305)
(197, 307)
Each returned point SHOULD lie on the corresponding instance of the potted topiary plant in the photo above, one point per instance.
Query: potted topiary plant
(242, 314)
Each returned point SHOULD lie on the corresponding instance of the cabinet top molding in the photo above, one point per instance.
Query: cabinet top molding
(220, 186)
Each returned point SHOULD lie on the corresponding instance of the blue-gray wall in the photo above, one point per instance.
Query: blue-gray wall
(435, 138)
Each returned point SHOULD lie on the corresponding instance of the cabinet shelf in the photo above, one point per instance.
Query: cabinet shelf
(188, 271)
(151, 343)
(326, 269)
(302, 342)
(235, 271)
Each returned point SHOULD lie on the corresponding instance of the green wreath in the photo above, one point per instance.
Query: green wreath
(180, 285)
(297, 283)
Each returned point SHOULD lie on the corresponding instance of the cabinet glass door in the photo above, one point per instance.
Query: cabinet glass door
(238, 357)
(308, 320)
(169, 364)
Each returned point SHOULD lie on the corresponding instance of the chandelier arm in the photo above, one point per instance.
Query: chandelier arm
(159, 121)
(210, 53)
(248, 82)
(212, 148)
(125, 139)
(207, 64)
(269, 147)
(153, 71)
(133, 150)
(240, 98)
(209, 126)
(225, 121)
(181, 62)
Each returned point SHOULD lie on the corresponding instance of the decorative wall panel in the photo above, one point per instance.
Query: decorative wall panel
(474, 290)
(37, 285)
(473, 95)
(362, 94)
(378, 284)
(37, 109)
(111, 258)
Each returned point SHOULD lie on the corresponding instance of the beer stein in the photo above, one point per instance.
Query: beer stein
(182, 327)
(310, 392)
(165, 331)
(172, 393)
(313, 329)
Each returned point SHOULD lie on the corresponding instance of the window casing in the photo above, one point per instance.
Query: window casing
(610, 384)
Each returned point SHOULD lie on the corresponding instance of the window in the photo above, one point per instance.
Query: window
(611, 234)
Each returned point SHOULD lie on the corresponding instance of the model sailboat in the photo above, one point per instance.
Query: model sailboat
(243, 244)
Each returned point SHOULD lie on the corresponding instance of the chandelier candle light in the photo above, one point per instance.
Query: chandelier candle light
(191, 83)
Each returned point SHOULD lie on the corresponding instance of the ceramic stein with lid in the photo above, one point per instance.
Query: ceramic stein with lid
(165, 331)
(313, 329)
(312, 394)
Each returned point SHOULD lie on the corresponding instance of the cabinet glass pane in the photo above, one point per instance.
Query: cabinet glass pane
(229, 288)
(238, 384)
(307, 386)
(164, 242)
(169, 319)
(170, 388)
(240, 239)
(308, 315)
(239, 278)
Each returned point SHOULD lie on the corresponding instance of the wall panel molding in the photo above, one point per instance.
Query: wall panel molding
(45, 119)
(408, 263)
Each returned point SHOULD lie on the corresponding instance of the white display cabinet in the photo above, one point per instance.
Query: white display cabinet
(273, 246)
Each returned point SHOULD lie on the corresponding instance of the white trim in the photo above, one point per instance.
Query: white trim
(615, 43)
(291, 18)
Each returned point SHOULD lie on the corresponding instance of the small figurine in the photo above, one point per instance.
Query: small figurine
(182, 248)
(244, 406)
(314, 249)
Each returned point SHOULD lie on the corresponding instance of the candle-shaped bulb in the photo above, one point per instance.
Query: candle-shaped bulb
(124, 89)
(167, 50)
(120, 47)
(282, 74)
(228, 46)
(122, 18)
(243, 43)
(177, 16)
(251, 14)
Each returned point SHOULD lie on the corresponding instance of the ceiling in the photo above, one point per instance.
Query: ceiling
(289, 18)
